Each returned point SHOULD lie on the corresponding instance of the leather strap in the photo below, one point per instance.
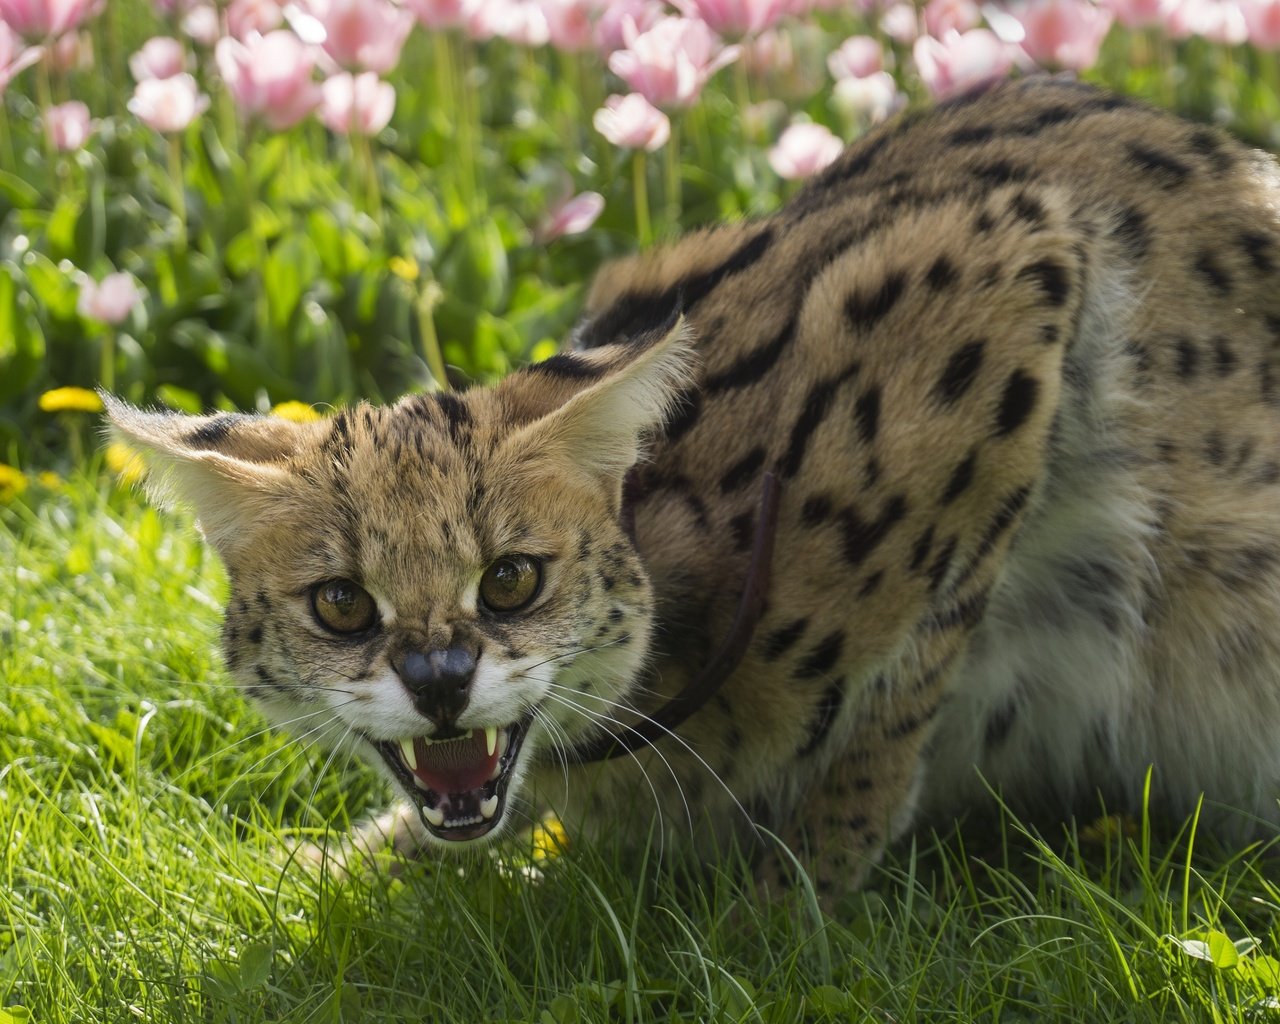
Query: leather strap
(707, 683)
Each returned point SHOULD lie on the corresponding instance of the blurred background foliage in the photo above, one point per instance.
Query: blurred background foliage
(313, 265)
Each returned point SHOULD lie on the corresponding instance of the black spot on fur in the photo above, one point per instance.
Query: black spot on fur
(941, 564)
(1019, 399)
(1054, 115)
(1049, 334)
(639, 314)
(1167, 171)
(920, 549)
(255, 634)
(999, 725)
(1000, 172)
(742, 526)
(1133, 232)
(455, 412)
(1224, 360)
(867, 413)
(1210, 145)
(865, 311)
(861, 537)
(816, 406)
(1028, 208)
(911, 723)
(741, 472)
(1188, 358)
(941, 275)
(782, 639)
(822, 658)
(959, 373)
(569, 366)
(755, 364)
(1257, 247)
(687, 409)
(824, 717)
(1211, 270)
(961, 478)
(975, 135)
(1215, 451)
(211, 434)
(1052, 278)
(815, 510)
(871, 584)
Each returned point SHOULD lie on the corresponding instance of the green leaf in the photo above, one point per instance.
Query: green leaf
(21, 341)
(290, 270)
(255, 965)
(14, 1015)
(53, 287)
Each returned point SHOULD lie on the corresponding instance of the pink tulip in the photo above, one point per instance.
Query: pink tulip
(1139, 13)
(961, 61)
(68, 125)
(570, 216)
(621, 16)
(804, 149)
(363, 35)
(632, 122)
(201, 25)
(1219, 21)
(868, 100)
(900, 24)
(522, 22)
(160, 57)
(439, 13)
(43, 19)
(1064, 33)
(168, 104)
(1262, 18)
(270, 77)
(735, 17)
(14, 57)
(246, 17)
(568, 24)
(671, 62)
(858, 57)
(770, 52)
(73, 52)
(111, 300)
(362, 103)
(943, 16)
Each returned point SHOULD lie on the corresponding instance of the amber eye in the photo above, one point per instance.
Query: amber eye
(510, 583)
(342, 607)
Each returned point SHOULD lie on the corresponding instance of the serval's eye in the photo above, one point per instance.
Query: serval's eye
(343, 607)
(511, 583)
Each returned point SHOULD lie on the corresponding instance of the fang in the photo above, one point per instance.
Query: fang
(410, 758)
(433, 816)
(488, 808)
(490, 739)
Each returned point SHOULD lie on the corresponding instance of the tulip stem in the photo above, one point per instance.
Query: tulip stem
(179, 187)
(107, 361)
(673, 178)
(640, 196)
(44, 95)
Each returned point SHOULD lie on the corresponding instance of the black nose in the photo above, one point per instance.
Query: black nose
(439, 680)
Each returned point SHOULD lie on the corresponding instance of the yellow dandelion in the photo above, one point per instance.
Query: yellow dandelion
(49, 480)
(1113, 826)
(403, 267)
(124, 462)
(298, 412)
(545, 349)
(12, 482)
(71, 400)
(549, 839)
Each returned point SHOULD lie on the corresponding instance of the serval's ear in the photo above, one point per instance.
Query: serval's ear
(228, 467)
(600, 430)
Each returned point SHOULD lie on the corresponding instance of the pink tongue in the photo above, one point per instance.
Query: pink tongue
(457, 766)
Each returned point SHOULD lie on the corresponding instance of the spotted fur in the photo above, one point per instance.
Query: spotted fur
(1015, 364)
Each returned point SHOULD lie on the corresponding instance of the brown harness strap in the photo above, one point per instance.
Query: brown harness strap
(733, 648)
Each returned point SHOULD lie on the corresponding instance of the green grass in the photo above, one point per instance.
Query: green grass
(145, 812)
